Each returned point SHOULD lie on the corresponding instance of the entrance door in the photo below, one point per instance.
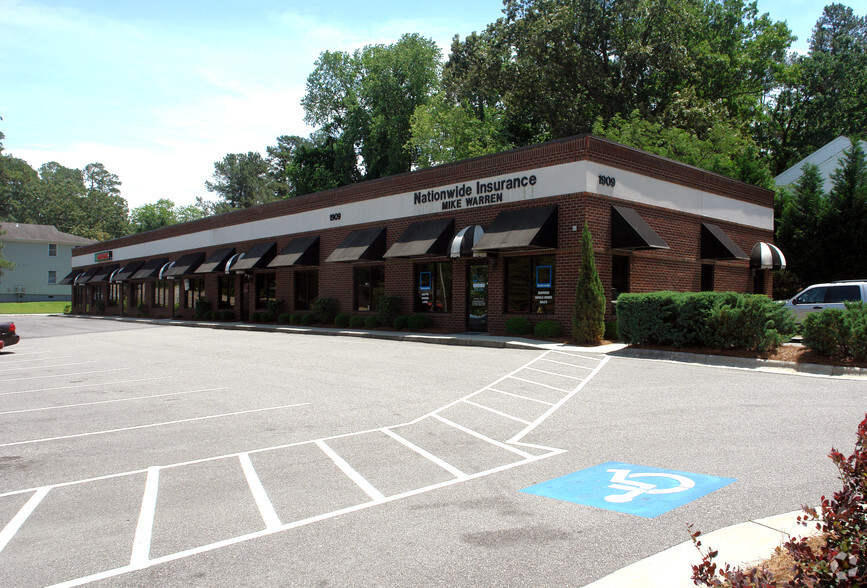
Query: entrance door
(477, 297)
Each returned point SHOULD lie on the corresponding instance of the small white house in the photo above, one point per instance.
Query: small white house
(42, 256)
(827, 159)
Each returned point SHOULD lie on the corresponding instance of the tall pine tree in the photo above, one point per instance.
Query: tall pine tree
(588, 318)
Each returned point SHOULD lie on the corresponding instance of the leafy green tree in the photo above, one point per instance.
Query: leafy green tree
(281, 164)
(799, 230)
(201, 209)
(588, 317)
(364, 102)
(5, 264)
(149, 217)
(846, 218)
(825, 93)
(19, 184)
(242, 180)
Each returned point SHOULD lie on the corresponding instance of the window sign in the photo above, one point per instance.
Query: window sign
(424, 281)
(543, 276)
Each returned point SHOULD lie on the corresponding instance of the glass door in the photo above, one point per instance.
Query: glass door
(477, 297)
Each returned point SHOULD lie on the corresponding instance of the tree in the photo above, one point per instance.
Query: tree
(149, 217)
(242, 180)
(588, 317)
(4, 263)
(798, 232)
(364, 102)
(281, 164)
(846, 218)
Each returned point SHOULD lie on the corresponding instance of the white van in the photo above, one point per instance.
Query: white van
(821, 296)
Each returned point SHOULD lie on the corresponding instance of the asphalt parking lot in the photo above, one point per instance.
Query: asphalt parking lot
(156, 455)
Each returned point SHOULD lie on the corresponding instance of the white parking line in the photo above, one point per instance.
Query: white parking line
(266, 508)
(44, 367)
(572, 365)
(484, 438)
(554, 374)
(539, 384)
(92, 385)
(141, 545)
(16, 361)
(150, 425)
(522, 397)
(350, 472)
(426, 454)
(12, 527)
(108, 401)
(62, 375)
(497, 412)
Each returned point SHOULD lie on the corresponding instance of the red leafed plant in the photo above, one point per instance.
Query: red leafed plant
(840, 561)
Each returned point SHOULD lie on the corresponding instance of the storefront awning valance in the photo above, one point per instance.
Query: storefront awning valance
(151, 269)
(299, 251)
(216, 262)
(465, 240)
(527, 228)
(186, 265)
(70, 277)
(631, 232)
(361, 245)
(424, 239)
(103, 274)
(84, 278)
(767, 256)
(128, 270)
(259, 256)
(715, 244)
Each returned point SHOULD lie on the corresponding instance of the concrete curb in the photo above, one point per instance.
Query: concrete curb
(742, 545)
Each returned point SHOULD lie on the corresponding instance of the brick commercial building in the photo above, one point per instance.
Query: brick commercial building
(473, 243)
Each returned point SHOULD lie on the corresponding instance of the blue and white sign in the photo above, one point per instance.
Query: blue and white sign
(639, 490)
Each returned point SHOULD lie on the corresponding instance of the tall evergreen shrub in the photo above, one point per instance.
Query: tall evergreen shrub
(588, 317)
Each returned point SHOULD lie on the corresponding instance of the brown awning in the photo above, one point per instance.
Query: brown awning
(715, 244)
(216, 262)
(128, 270)
(361, 245)
(258, 256)
(70, 277)
(526, 228)
(187, 264)
(151, 269)
(299, 251)
(86, 276)
(629, 231)
(424, 239)
(103, 274)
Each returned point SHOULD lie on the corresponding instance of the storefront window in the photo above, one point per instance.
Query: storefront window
(433, 288)
(306, 288)
(266, 289)
(138, 294)
(195, 291)
(369, 283)
(115, 291)
(707, 271)
(530, 284)
(161, 294)
(227, 291)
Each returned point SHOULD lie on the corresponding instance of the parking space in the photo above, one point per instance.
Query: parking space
(192, 456)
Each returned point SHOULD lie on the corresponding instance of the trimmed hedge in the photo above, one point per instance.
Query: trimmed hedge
(325, 309)
(401, 321)
(547, 329)
(308, 319)
(356, 322)
(518, 326)
(341, 320)
(719, 320)
(417, 322)
(841, 333)
(283, 319)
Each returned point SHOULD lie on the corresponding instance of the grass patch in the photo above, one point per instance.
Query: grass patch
(48, 306)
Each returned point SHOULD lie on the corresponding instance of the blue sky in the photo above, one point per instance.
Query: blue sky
(158, 91)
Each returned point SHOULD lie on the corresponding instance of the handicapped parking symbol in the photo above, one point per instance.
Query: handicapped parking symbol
(644, 491)
(634, 488)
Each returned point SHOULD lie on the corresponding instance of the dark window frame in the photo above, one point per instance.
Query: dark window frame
(437, 294)
(306, 288)
(367, 292)
(522, 292)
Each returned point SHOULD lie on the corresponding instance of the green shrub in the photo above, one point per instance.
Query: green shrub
(284, 318)
(256, 317)
(356, 322)
(388, 308)
(273, 310)
(372, 321)
(401, 321)
(341, 320)
(841, 333)
(228, 315)
(67, 309)
(611, 331)
(142, 309)
(547, 329)
(721, 320)
(325, 309)
(202, 306)
(419, 321)
(295, 318)
(518, 326)
(308, 319)
(208, 315)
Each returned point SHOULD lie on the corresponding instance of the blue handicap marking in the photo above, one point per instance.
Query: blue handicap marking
(633, 489)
